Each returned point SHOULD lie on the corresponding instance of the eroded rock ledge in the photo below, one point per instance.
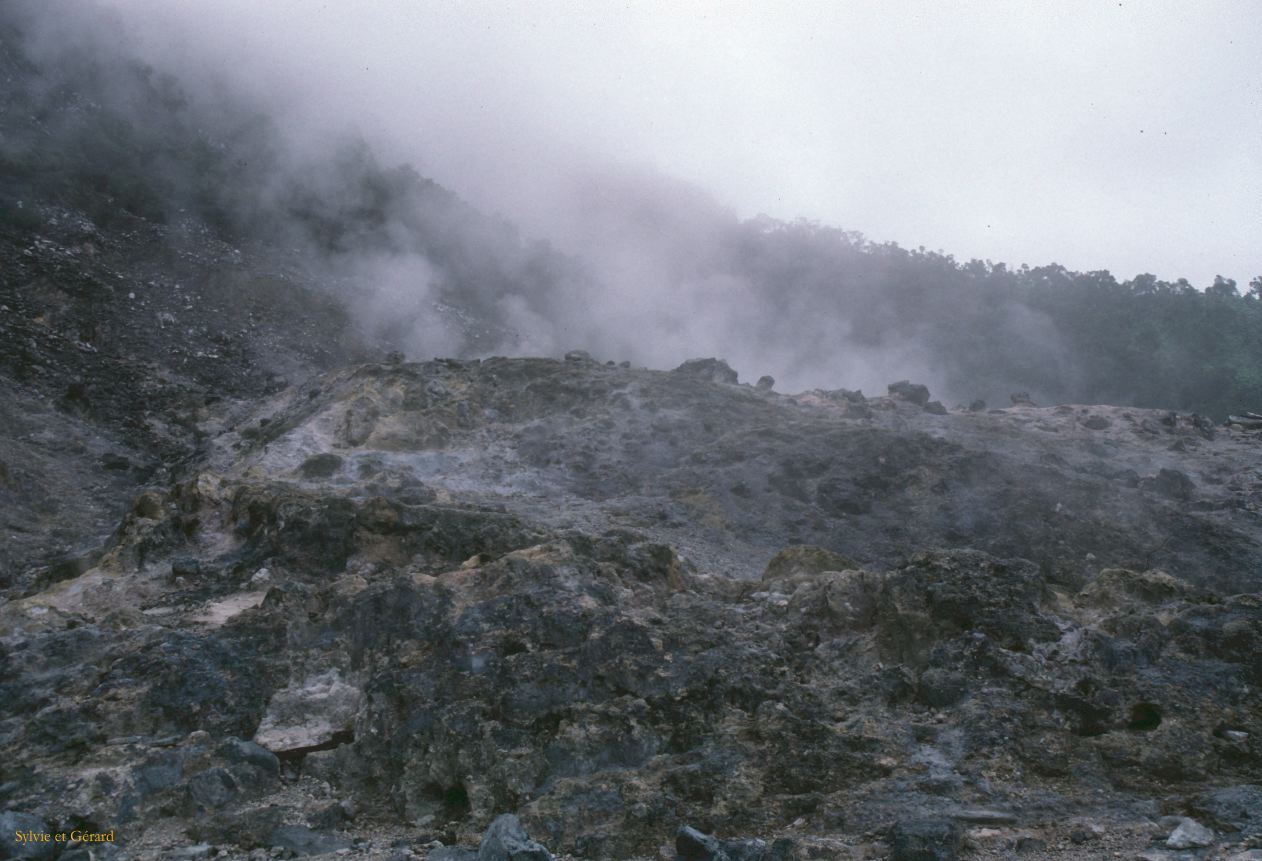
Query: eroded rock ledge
(381, 619)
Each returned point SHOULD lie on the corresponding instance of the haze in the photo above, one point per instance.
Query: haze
(1120, 136)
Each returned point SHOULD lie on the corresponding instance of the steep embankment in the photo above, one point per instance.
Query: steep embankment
(120, 350)
(394, 601)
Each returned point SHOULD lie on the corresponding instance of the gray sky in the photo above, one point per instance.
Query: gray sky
(1125, 136)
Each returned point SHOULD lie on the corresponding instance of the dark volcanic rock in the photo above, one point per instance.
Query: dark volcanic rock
(22, 837)
(616, 600)
(713, 370)
(692, 845)
(938, 687)
(1233, 808)
(925, 840)
(911, 392)
(1172, 483)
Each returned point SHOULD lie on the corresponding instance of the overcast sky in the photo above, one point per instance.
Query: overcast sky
(1101, 135)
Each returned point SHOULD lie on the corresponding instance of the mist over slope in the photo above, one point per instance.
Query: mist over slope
(274, 584)
(656, 271)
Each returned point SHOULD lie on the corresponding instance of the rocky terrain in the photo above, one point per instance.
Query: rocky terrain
(270, 590)
(369, 613)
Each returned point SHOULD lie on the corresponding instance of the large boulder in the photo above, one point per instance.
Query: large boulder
(905, 390)
(712, 370)
(309, 714)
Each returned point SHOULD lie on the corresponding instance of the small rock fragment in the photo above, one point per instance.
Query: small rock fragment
(1190, 835)
(506, 840)
(1027, 845)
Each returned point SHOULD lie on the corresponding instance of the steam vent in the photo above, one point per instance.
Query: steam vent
(745, 540)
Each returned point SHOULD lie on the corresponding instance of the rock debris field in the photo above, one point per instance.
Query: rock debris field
(534, 608)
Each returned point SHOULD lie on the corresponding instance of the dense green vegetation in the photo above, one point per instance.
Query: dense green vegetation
(1066, 337)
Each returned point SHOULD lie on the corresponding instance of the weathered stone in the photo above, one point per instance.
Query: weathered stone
(506, 840)
(623, 657)
(1234, 808)
(925, 840)
(308, 714)
(32, 830)
(302, 841)
(939, 688)
(212, 789)
(693, 845)
(248, 753)
(1116, 587)
(908, 391)
(451, 853)
(801, 559)
(712, 370)
(321, 465)
(1171, 483)
(1190, 834)
(1027, 845)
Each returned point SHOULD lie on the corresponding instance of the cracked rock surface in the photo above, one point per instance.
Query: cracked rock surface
(374, 611)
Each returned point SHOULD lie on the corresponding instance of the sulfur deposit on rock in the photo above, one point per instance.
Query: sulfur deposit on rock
(616, 602)
(270, 590)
